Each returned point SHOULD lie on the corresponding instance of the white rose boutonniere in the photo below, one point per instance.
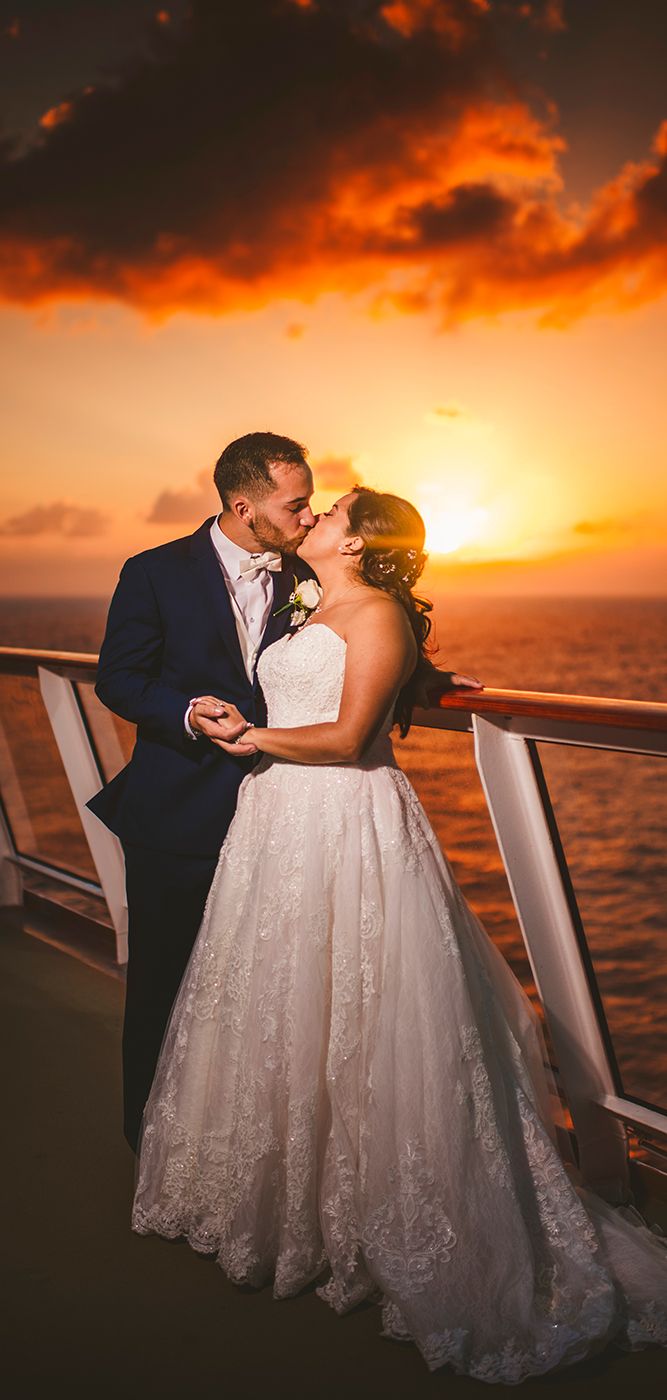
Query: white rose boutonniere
(304, 599)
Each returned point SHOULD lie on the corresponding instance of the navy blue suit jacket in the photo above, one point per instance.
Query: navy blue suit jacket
(170, 635)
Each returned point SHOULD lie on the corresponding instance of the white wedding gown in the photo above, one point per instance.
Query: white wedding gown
(353, 1080)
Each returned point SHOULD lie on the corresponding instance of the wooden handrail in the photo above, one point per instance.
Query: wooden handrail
(577, 709)
(24, 661)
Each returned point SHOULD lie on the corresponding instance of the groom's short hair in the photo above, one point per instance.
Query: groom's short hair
(245, 465)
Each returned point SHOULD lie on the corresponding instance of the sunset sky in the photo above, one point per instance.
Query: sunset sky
(427, 238)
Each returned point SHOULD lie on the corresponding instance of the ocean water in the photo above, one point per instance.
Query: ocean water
(611, 808)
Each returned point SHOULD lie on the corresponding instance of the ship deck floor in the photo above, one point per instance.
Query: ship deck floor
(92, 1309)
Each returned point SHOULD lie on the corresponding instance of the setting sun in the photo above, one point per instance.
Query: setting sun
(452, 525)
(446, 289)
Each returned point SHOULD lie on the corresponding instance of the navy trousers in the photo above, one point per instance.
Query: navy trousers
(166, 895)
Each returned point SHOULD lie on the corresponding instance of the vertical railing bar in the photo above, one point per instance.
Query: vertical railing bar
(575, 913)
(517, 813)
(82, 770)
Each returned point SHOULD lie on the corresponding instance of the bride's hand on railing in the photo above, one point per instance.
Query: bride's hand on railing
(432, 683)
(453, 680)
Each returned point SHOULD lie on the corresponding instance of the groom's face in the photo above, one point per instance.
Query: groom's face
(282, 519)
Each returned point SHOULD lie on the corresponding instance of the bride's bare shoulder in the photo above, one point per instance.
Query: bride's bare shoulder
(379, 612)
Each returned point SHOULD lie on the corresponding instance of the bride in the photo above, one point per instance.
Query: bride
(352, 1087)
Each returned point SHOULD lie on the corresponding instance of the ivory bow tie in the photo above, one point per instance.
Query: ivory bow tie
(256, 563)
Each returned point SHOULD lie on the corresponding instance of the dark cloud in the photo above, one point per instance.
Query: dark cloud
(467, 214)
(63, 48)
(205, 175)
(277, 148)
(549, 15)
(251, 110)
(195, 503)
(74, 522)
(190, 504)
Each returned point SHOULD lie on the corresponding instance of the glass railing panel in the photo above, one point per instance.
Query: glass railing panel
(112, 736)
(611, 810)
(36, 795)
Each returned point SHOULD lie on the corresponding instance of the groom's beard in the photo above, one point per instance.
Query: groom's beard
(270, 536)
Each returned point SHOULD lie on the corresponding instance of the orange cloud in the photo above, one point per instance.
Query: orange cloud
(448, 411)
(56, 115)
(368, 158)
(407, 17)
(489, 251)
(599, 527)
(334, 474)
(549, 15)
(553, 17)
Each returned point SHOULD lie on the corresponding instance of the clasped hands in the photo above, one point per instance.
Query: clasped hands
(222, 723)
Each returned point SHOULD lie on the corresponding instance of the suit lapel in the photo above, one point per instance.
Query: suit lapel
(208, 567)
(283, 584)
(215, 592)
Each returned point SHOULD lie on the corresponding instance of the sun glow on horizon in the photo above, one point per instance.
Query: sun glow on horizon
(452, 525)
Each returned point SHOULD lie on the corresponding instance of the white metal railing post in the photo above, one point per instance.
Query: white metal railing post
(84, 779)
(545, 914)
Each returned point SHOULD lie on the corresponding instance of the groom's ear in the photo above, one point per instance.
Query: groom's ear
(242, 508)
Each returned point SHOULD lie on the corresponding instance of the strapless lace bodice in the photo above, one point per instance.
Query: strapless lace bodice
(302, 679)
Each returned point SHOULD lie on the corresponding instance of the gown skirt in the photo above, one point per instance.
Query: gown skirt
(353, 1087)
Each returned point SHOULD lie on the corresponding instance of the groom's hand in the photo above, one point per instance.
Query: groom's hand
(216, 719)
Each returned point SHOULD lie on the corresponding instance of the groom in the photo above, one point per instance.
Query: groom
(187, 624)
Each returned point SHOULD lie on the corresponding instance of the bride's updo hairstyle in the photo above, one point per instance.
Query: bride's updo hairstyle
(393, 559)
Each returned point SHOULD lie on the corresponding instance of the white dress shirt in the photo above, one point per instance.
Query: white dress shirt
(251, 601)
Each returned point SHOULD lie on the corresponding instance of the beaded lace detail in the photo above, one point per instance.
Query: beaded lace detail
(353, 1088)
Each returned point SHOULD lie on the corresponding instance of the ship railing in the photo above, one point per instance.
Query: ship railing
(58, 745)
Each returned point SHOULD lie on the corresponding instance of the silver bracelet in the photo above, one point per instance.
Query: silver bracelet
(248, 725)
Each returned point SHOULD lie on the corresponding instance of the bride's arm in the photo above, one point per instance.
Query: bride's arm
(380, 656)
